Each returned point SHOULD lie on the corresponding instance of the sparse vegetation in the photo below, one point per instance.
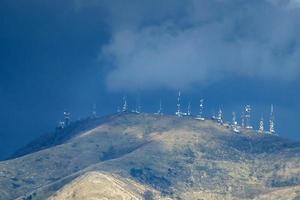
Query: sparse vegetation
(178, 158)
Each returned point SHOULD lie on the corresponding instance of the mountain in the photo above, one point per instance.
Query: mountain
(96, 185)
(147, 156)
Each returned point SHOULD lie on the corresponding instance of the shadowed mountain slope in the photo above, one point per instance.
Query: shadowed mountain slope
(166, 156)
(59, 136)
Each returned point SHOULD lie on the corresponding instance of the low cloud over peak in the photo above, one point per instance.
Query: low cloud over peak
(203, 42)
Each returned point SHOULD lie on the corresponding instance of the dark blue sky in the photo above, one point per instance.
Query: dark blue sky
(57, 55)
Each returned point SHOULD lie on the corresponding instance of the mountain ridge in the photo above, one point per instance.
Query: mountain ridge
(176, 157)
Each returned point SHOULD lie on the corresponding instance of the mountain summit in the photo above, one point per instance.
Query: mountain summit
(148, 156)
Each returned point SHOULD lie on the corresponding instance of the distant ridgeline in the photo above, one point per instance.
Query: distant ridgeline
(236, 127)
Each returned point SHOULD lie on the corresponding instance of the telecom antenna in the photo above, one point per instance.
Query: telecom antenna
(125, 105)
(200, 115)
(178, 112)
(61, 125)
(137, 106)
(159, 112)
(220, 116)
(272, 119)
(261, 125)
(248, 116)
(189, 112)
(243, 119)
(67, 118)
(234, 123)
(94, 111)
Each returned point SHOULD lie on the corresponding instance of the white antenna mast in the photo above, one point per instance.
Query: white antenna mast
(220, 116)
(61, 124)
(67, 118)
(243, 120)
(189, 112)
(261, 125)
(200, 115)
(125, 105)
(94, 111)
(159, 112)
(272, 119)
(234, 123)
(248, 116)
(178, 113)
(137, 106)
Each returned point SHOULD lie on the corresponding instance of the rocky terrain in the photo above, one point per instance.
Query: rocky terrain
(147, 156)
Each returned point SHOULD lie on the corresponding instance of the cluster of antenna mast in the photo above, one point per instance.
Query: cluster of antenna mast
(245, 117)
(236, 127)
(246, 124)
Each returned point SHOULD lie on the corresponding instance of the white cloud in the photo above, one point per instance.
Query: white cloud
(207, 41)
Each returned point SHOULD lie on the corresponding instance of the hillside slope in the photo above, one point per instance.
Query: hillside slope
(177, 158)
(96, 185)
